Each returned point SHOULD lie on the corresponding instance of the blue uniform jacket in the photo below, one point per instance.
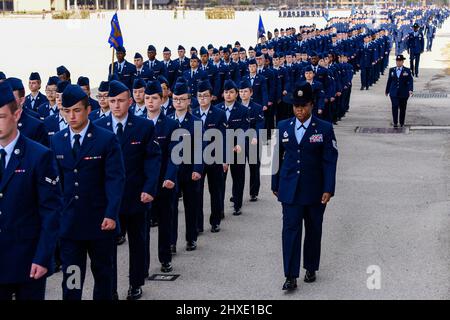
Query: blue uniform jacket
(310, 165)
(32, 128)
(399, 87)
(93, 183)
(163, 135)
(30, 203)
(40, 99)
(126, 75)
(260, 91)
(142, 160)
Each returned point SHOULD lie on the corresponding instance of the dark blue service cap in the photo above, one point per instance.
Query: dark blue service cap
(302, 94)
(104, 86)
(139, 83)
(15, 84)
(61, 70)
(245, 84)
(53, 81)
(180, 88)
(166, 50)
(2, 75)
(151, 48)
(137, 55)
(204, 86)
(153, 87)
(203, 51)
(83, 81)
(116, 88)
(72, 95)
(229, 84)
(34, 76)
(121, 49)
(180, 47)
(6, 94)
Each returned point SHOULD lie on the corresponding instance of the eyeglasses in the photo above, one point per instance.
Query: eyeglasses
(100, 97)
(179, 99)
(203, 96)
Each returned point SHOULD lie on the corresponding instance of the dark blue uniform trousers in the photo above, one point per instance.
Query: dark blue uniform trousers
(254, 164)
(293, 217)
(214, 172)
(135, 226)
(399, 103)
(414, 60)
(238, 176)
(162, 208)
(190, 190)
(366, 76)
(101, 253)
(30, 290)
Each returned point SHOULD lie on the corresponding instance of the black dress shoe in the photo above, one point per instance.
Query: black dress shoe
(362, 88)
(200, 230)
(237, 212)
(253, 198)
(222, 215)
(290, 284)
(231, 199)
(134, 293)
(120, 240)
(215, 228)
(115, 296)
(166, 267)
(191, 246)
(173, 249)
(395, 125)
(310, 276)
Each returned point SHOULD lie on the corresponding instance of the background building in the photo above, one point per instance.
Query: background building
(58, 5)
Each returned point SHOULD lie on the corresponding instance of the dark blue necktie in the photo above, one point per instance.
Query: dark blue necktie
(2, 163)
(301, 126)
(119, 131)
(76, 145)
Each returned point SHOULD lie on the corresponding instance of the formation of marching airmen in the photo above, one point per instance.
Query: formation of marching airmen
(107, 170)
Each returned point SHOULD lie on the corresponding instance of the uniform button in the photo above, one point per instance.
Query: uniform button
(298, 161)
(0, 213)
(298, 171)
(298, 150)
(76, 184)
(75, 170)
(77, 197)
(1, 195)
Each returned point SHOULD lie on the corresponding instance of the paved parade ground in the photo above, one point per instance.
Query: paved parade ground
(390, 213)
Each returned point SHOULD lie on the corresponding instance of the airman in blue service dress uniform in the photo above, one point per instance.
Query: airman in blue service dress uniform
(416, 46)
(256, 122)
(142, 159)
(154, 65)
(29, 124)
(138, 107)
(213, 119)
(124, 70)
(35, 98)
(28, 226)
(399, 87)
(190, 171)
(89, 158)
(304, 183)
(237, 118)
(163, 206)
(56, 122)
(102, 96)
(50, 107)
